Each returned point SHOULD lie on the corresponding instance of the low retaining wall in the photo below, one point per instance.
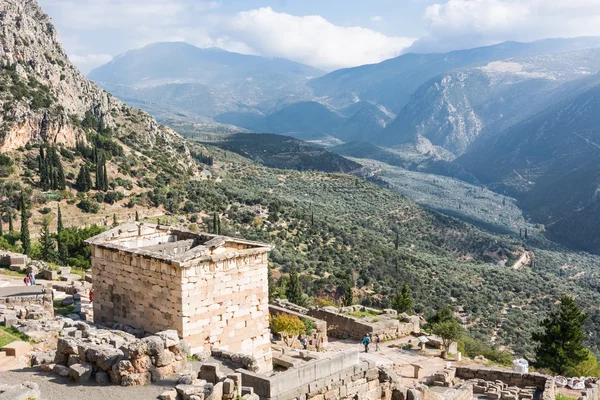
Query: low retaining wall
(544, 383)
(348, 327)
(342, 376)
(317, 341)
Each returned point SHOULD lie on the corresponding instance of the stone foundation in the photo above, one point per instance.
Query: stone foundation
(37, 306)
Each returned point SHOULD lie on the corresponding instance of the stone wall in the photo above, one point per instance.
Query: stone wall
(341, 376)
(317, 341)
(36, 306)
(226, 305)
(116, 357)
(218, 301)
(137, 291)
(592, 390)
(349, 327)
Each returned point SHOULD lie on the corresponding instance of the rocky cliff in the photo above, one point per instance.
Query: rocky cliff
(45, 98)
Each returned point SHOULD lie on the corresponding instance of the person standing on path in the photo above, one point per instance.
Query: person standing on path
(365, 342)
(32, 278)
(26, 280)
(377, 341)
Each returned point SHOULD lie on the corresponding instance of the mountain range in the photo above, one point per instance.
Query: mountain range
(466, 113)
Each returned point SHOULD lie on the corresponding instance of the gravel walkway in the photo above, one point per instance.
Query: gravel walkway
(54, 387)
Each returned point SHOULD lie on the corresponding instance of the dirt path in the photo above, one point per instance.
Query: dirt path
(523, 261)
(54, 387)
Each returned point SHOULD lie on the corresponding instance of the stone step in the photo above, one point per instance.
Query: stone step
(17, 349)
(8, 363)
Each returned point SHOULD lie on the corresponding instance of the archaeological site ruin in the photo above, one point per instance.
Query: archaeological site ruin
(212, 289)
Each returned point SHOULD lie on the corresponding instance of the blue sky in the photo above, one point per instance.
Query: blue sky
(327, 34)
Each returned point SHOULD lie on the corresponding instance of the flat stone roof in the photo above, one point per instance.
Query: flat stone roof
(173, 245)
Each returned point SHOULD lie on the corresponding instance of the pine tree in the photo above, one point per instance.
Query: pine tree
(403, 301)
(561, 342)
(348, 294)
(48, 251)
(25, 238)
(293, 290)
(83, 183)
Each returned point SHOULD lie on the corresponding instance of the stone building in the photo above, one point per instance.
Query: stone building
(212, 289)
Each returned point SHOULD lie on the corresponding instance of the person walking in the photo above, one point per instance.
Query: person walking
(304, 343)
(26, 280)
(377, 341)
(366, 341)
(91, 295)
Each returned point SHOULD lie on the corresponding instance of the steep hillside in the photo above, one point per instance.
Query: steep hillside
(283, 152)
(46, 99)
(365, 124)
(392, 82)
(205, 82)
(454, 109)
(550, 162)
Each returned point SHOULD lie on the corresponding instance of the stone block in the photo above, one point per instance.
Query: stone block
(102, 378)
(80, 372)
(168, 395)
(61, 370)
(170, 337)
(228, 386)
(139, 379)
(209, 372)
(413, 394)
(10, 320)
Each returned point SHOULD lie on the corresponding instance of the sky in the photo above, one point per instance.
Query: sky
(327, 34)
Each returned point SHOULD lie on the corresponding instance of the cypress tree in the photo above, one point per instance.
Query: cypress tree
(348, 295)
(25, 238)
(137, 216)
(47, 241)
(99, 174)
(63, 251)
(43, 168)
(115, 223)
(1, 225)
(271, 285)
(59, 222)
(397, 241)
(104, 175)
(83, 183)
(11, 228)
(293, 290)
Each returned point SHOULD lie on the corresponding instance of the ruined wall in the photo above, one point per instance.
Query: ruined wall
(225, 305)
(33, 306)
(544, 383)
(347, 327)
(137, 291)
(341, 376)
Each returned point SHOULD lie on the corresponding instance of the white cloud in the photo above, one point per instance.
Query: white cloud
(376, 18)
(467, 23)
(312, 39)
(99, 27)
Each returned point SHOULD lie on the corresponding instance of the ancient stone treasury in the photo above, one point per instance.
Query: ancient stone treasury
(193, 308)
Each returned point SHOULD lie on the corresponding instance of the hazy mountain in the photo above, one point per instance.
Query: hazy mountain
(454, 109)
(392, 82)
(206, 82)
(551, 162)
